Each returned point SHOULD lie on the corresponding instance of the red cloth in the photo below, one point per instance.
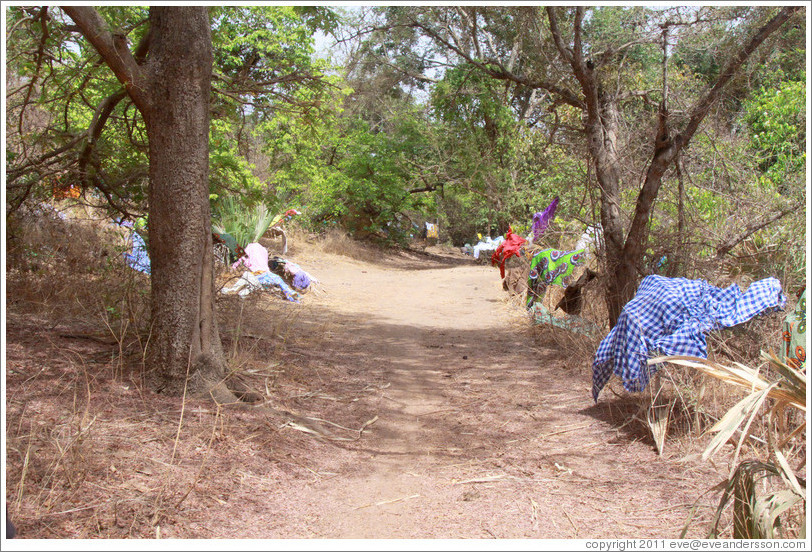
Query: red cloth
(511, 245)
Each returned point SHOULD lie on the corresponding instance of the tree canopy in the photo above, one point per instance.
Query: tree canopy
(680, 130)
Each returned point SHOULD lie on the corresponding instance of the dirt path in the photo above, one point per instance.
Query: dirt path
(436, 415)
(480, 433)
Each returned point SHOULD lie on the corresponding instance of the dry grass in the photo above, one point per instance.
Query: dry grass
(580, 346)
(335, 242)
(72, 271)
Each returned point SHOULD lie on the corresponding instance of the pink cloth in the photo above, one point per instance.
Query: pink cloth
(255, 258)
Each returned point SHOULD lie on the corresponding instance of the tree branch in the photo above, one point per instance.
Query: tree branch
(666, 150)
(701, 108)
(100, 117)
(725, 247)
(113, 49)
(495, 69)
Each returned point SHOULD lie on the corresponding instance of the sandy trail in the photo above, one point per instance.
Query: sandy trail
(480, 433)
(440, 416)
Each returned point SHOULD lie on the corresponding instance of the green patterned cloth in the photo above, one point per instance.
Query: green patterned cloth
(795, 335)
(551, 267)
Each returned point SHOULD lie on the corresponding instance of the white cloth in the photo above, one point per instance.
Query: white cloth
(590, 239)
(487, 244)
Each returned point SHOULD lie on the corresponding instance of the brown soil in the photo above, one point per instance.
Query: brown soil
(409, 400)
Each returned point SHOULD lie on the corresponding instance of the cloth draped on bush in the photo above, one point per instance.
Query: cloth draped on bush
(255, 258)
(795, 335)
(138, 257)
(551, 267)
(300, 279)
(228, 241)
(671, 316)
(542, 219)
(511, 246)
(260, 275)
(487, 244)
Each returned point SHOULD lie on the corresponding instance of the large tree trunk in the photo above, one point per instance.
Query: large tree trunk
(185, 337)
(603, 151)
(171, 90)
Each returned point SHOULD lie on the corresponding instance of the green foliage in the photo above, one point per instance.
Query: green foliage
(610, 26)
(263, 65)
(245, 223)
(349, 147)
(229, 171)
(776, 118)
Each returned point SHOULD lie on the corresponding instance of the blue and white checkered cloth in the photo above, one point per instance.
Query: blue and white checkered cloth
(672, 316)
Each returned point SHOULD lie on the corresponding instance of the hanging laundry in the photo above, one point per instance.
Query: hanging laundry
(542, 219)
(671, 316)
(551, 267)
(591, 239)
(511, 246)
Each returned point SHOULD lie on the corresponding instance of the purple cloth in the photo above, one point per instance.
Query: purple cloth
(542, 219)
(301, 279)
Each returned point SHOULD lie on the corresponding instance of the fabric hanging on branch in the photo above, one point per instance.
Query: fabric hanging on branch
(795, 335)
(542, 219)
(511, 246)
(671, 316)
(551, 267)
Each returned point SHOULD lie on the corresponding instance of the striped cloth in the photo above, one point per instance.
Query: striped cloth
(671, 316)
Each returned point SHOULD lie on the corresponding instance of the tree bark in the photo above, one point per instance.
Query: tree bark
(624, 255)
(185, 337)
(171, 90)
(666, 149)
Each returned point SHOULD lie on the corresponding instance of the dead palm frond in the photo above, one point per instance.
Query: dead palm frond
(755, 514)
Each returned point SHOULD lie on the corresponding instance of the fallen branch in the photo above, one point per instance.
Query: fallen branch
(388, 501)
(480, 479)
